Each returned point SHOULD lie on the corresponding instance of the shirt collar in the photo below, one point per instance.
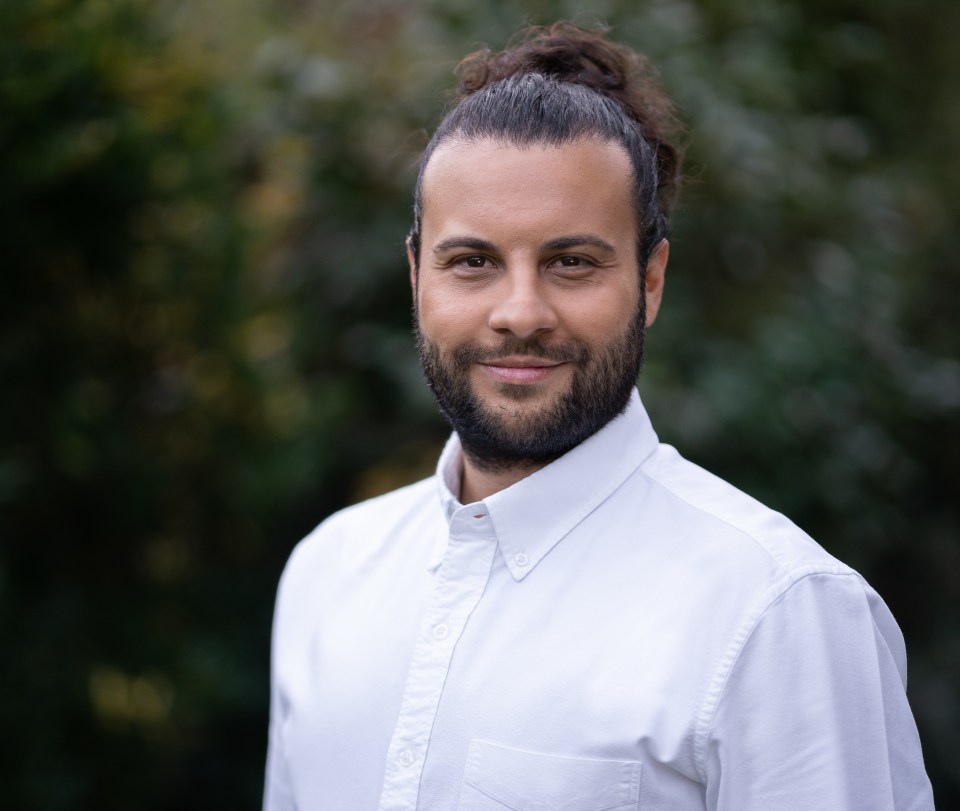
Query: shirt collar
(533, 515)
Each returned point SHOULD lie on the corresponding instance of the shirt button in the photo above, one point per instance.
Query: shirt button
(406, 758)
(440, 631)
(480, 515)
(521, 559)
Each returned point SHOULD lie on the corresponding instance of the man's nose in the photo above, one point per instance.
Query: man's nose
(523, 306)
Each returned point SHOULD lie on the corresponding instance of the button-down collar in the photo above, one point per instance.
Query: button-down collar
(533, 515)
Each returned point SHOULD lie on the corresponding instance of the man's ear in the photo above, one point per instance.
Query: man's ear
(656, 271)
(413, 267)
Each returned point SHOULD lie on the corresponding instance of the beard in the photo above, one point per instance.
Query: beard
(499, 438)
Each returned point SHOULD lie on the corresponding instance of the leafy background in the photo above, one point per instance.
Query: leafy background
(205, 348)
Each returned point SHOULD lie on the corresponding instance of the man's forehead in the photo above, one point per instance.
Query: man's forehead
(535, 172)
(529, 194)
(458, 148)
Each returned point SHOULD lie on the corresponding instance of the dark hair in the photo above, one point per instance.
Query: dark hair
(555, 85)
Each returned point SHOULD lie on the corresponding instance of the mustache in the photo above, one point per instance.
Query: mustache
(563, 352)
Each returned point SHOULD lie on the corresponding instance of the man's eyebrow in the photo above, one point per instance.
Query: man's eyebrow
(558, 244)
(576, 240)
(473, 243)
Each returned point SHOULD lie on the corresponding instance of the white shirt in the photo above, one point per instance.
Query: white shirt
(620, 630)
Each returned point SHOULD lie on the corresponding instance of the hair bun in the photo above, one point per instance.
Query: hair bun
(570, 53)
(563, 51)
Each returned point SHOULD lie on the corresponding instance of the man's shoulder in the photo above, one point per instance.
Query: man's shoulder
(738, 520)
(362, 528)
(379, 514)
(748, 557)
(395, 505)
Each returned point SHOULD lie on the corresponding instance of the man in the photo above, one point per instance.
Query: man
(569, 615)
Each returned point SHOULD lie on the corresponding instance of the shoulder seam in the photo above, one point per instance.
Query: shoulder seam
(715, 687)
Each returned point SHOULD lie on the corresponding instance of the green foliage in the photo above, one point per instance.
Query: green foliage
(204, 333)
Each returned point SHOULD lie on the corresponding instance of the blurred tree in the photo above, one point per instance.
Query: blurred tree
(134, 422)
(204, 333)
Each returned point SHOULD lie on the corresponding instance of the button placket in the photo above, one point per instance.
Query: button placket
(460, 582)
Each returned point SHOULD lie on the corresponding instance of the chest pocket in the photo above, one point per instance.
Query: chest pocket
(497, 778)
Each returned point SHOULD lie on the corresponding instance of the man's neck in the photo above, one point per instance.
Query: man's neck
(478, 481)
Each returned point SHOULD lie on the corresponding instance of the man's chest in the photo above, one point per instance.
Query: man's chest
(481, 680)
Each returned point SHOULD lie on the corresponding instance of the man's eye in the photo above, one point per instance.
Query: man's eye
(475, 261)
(578, 263)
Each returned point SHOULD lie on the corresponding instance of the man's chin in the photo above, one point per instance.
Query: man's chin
(510, 426)
(524, 393)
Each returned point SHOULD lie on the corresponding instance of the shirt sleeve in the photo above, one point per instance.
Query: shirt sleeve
(277, 790)
(811, 711)
(276, 793)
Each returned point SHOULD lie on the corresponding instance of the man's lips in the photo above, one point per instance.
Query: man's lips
(521, 369)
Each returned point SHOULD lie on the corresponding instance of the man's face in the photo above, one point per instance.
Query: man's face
(529, 321)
